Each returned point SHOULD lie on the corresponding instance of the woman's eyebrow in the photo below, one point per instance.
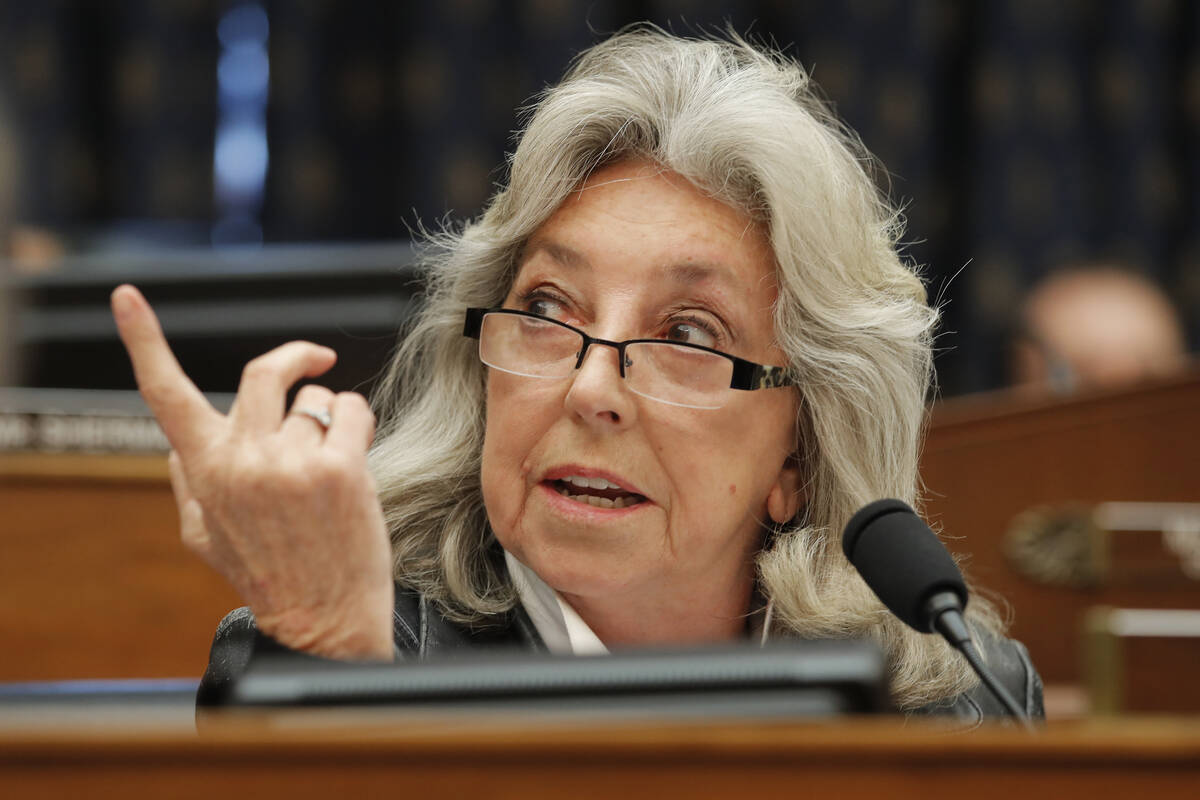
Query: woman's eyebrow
(559, 252)
(712, 283)
(687, 274)
(696, 272)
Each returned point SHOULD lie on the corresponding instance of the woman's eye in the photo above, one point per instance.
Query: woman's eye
(690, 332)
(544, 306)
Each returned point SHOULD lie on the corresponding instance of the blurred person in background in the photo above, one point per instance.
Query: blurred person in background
(1096, 326)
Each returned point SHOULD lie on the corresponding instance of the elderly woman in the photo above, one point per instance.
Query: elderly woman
(647, 389)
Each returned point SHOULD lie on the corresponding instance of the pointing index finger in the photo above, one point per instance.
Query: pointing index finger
(186, 417)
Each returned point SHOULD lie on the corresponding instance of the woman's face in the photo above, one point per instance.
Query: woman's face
(641, 253)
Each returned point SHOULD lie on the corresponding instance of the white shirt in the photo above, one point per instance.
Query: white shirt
(559, 625)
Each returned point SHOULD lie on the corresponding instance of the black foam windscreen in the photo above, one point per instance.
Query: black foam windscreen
(901, 559)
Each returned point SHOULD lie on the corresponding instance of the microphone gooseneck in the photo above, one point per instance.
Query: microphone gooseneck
(913, 574)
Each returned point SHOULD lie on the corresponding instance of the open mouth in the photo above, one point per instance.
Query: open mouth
(596, 492)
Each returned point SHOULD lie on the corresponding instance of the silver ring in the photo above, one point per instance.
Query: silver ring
(321, 415)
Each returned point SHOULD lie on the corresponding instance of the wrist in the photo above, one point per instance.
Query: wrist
(362, 634)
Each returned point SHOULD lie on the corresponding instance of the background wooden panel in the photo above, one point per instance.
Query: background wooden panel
(1158, 676)
(94, 582)
(987, 459)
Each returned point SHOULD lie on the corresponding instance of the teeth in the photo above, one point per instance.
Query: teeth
(598, 502)
(590, 483)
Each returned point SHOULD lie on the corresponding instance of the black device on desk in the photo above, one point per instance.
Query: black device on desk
(781, 680)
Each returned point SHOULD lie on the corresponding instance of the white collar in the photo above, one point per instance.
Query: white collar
(560, 626)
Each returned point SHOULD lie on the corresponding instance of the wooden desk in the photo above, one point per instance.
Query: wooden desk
(987, 459)
(93, 580)
(377, 755)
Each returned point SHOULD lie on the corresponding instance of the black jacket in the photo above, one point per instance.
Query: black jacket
(419, 631)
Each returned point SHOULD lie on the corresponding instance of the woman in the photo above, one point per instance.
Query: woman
(578, 472)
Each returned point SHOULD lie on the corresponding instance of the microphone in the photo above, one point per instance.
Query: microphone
(912, 573)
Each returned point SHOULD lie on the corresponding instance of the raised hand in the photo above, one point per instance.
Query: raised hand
(281, 506)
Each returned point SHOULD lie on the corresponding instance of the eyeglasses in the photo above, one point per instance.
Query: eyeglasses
(681, 374)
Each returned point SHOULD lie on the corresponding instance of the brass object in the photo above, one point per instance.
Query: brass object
(1058, 546)
(1072, 546)
(1102, 662)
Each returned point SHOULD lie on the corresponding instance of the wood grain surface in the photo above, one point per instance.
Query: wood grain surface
(94, 582)
(364, 755)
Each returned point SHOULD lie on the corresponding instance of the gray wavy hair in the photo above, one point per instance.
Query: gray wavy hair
(746, 125)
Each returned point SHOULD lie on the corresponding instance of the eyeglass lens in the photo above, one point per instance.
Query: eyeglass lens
(661, 371)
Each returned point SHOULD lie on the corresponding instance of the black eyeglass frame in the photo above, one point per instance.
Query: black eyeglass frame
(747, 375)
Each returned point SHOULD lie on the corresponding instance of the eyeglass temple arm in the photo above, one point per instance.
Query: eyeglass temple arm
(473, 323)
(749, 376)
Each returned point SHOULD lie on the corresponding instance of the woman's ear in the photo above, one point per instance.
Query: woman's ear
(787, 495)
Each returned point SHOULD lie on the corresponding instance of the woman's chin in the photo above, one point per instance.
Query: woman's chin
(581, 549)
(579, 574)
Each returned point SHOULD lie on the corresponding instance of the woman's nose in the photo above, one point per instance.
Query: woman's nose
(598, 394)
